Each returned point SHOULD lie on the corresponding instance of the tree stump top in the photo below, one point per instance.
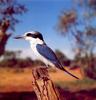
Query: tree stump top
(43, 86)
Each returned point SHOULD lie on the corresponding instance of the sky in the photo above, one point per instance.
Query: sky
(42, 16)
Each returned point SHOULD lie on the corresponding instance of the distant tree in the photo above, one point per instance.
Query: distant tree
(63, 59)
(13, 59)
(80, 26)
(60, 55)
(9, 9)
(11, 55)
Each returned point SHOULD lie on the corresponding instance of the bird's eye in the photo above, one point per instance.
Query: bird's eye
(28, 34)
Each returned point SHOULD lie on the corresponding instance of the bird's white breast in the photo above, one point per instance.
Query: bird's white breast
(38, 55)
(34, 49)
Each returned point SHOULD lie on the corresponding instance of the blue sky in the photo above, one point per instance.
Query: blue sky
(42, 16)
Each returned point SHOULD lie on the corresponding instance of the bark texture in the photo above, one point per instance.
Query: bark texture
(43, 86)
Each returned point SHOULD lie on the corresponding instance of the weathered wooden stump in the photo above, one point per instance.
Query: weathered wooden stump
(43, 86)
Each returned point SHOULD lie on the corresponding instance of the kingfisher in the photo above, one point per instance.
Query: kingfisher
(42, 51)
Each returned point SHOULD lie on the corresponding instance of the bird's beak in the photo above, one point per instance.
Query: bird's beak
(19, 37)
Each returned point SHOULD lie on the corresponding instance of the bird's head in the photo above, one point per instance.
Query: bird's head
(32, 36)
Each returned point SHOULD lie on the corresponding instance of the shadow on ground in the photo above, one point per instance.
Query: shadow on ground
(79, 95)
(66, 95)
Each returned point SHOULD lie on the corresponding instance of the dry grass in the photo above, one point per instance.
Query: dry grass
(15, 80)
(20, 79)
(61, 76)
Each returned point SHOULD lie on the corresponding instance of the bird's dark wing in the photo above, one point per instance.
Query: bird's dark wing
(46, 52)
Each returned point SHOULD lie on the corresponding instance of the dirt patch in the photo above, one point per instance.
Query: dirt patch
(21, 79)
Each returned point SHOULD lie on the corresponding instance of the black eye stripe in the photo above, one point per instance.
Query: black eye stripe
(34, 36)
(38, 35)
(29, 34)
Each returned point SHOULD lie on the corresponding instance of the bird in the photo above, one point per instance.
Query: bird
(42, 50)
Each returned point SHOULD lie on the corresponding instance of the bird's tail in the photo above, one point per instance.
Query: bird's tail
(62, 68)
(69, 73)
